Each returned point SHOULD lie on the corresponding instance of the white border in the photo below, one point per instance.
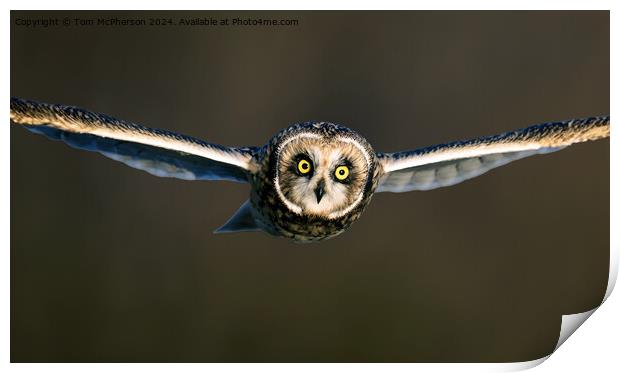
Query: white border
(594, 348)
(314, 5)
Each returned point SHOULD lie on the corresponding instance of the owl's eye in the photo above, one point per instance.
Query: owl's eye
(304, 166)
(342, 172)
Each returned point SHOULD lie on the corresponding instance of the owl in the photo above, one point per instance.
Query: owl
(312, 180)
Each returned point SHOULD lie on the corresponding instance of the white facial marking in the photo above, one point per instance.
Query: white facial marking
(325, 157)
(338, 214)
(293, 207)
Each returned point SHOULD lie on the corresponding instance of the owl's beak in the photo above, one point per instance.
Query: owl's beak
(319, 191)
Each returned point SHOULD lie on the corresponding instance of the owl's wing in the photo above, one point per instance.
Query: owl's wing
(158, 152)
(448, 164)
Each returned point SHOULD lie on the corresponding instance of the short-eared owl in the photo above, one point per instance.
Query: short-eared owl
(312, 180)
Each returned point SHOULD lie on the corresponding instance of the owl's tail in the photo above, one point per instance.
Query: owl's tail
(242, 221)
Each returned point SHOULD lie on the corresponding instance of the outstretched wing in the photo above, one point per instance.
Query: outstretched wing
(448, 164)
(158, 152)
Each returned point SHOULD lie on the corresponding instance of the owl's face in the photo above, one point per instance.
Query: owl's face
(322, 175)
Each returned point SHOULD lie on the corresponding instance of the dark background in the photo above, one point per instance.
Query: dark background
(112, 264)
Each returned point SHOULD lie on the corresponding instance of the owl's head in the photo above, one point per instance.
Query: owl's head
(322, 169)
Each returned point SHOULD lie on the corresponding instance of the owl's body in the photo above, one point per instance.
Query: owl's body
(315, 220)
(312, 180)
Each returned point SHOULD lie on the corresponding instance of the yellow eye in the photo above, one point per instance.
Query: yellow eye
(304, 166)
(342, 172)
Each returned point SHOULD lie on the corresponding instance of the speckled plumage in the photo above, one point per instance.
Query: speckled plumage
(275, 215)
(284, 202)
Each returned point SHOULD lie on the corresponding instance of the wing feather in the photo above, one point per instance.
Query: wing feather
(448, 164)
(159, 152)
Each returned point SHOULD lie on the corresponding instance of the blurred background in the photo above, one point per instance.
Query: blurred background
(112, 264)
